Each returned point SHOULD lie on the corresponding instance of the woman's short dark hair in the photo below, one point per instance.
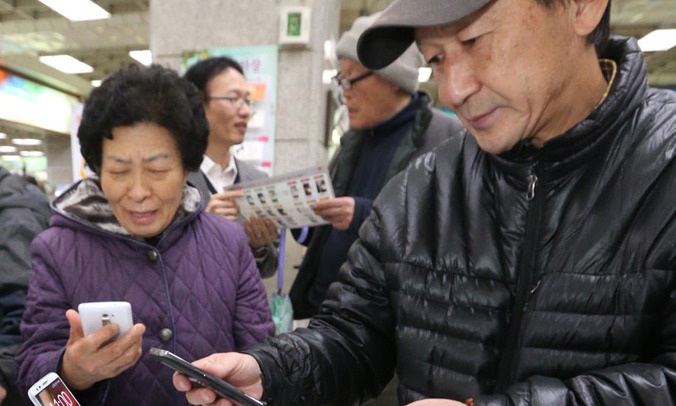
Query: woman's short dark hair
(203, 71)
(135, 95)
(598, 37)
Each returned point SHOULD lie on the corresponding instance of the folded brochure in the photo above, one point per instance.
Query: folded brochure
(287, 199)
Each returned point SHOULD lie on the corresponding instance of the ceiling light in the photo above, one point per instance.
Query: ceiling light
(424, 74)
(658, 40)
(26, 141)
(77, 10)
(144, 56)
(96, 83)
(66, 64)
(32, 153)
(3, 136)
(11, 157)
(7, 149)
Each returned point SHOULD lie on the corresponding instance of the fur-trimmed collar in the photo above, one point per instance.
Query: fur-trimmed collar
(86, 203)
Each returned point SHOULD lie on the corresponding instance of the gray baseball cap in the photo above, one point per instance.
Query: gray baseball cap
(393, 32)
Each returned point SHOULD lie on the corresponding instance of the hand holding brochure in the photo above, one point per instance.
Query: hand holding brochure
(287, 199)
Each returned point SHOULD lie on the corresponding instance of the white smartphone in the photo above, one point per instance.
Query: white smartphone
(95, 315)
(51, 391)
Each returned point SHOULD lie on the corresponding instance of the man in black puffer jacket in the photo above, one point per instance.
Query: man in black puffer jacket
(532, 262)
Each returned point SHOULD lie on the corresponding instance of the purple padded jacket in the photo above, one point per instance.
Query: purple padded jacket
(197, 290)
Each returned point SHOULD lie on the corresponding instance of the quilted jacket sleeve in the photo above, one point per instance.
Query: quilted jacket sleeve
(634, 384)
(44, 328)
(349, 344)
(629, 384)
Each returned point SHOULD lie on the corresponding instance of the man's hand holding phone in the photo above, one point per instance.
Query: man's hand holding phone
(238, 369)
(98, 356)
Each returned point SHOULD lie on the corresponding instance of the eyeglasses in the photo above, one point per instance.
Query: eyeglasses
(237, 102)
(347, 83)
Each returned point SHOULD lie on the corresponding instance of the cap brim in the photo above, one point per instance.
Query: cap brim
(393, 32)
(378, 47)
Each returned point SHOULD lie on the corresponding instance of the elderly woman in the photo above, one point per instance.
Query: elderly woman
(137, 232)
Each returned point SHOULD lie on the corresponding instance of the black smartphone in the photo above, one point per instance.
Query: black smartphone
(203, 378)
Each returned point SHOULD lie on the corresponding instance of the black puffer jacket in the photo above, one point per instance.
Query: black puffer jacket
(478, 287)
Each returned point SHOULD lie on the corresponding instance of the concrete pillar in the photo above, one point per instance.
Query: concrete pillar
(178, 25)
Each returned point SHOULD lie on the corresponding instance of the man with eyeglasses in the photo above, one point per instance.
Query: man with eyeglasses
(391, 123)
(228, 107)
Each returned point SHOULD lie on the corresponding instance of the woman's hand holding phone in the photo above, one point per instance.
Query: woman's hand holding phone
(92, 358)
(240, 370)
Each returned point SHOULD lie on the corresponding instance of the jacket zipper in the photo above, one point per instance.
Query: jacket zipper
(525, 276)
(532, 183)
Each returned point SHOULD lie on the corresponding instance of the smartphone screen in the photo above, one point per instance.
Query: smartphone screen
(56, 394)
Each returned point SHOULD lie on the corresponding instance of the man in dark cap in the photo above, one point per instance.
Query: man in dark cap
(531, 261)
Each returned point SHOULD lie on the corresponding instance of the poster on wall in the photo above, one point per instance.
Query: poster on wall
(260, 69)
